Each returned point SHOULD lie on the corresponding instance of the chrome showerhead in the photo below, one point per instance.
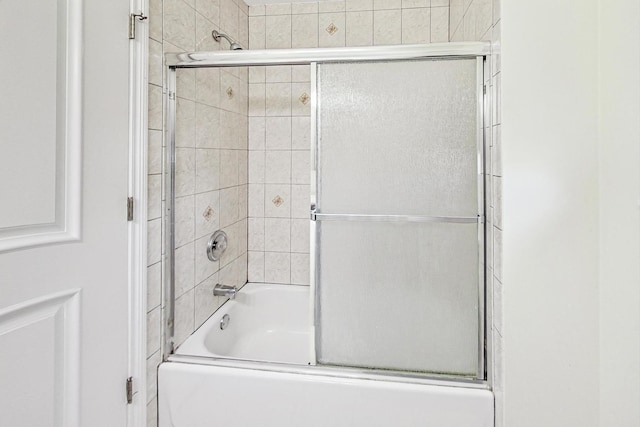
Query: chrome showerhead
(233, 45)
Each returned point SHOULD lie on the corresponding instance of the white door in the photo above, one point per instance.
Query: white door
(63, 228)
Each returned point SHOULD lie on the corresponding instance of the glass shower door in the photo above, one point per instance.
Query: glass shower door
(399, 216)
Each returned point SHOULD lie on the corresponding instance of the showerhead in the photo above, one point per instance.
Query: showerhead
(233, 45)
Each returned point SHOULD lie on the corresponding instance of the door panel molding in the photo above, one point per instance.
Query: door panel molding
(68, 141)
(64, 308)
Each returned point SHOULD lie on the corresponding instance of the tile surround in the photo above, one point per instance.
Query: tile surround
(211, 166)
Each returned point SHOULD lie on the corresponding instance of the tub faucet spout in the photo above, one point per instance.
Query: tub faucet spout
(225, 291)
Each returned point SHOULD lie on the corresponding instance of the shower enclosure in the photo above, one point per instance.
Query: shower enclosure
(396, 221)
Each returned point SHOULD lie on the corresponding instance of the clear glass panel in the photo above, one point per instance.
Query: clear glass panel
(398, 137)
(400, 296)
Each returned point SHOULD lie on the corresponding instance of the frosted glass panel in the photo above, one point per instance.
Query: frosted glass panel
(399, 296)
(398, 137)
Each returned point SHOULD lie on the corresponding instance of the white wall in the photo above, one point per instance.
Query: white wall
(619, 133)
(570, 134)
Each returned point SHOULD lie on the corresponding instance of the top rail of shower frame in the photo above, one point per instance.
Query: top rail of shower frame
(238, 58)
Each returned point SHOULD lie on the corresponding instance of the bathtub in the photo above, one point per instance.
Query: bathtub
(258, 371)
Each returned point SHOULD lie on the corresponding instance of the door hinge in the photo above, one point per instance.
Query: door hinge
(129, 390)
(130, 209)
(133, 17)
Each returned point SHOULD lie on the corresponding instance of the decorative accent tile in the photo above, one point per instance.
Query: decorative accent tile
(230, 92)
(304, 98)
(278, 201)
(331, 29)
(208, 213)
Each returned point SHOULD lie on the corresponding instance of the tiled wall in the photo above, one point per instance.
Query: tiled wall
(279, 125)
(211, 158)
(480, 20)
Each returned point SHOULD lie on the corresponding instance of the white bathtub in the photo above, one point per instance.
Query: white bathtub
(270, 323)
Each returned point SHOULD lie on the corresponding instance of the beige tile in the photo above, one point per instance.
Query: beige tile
(232, 251)
(304, 31)
(497, 201)
(469, 25)
(207, 126)
(155, 107)
(228, 206)
(439, 24)
(331, 29)
(228, 168)
(257, 133)
(300, 201)
(300, 235)
(204, 40)
(278, 74)
(154, 286)
(496, 152)
(300, 266)
(278, 99)
(256, 167)
(484, 18)
(439, 3)
(278, 133)
(359, 28)
(155, 62)
(257, 99)
(300, 167)
(300, 73)
(495, 48)
(256, 234)
(277, 267)
(152, 375)
(257, 32)
(256, 200)
(154, 152)
(185, 123)
(179, 24)
(277, 201)
(208, 86)
(184, 220)
(257, 74)
(228, 20)
(387, 27)
(243, 30)
(277, 167)
(277, 234)
(210, 9)
(331, 6)
(207, 170)
(155, 20)
(301, 99)
(300, 133)
(184, 269)
(229, 91)
(496, 11)
(185, 171)
(207, 213)
(153, 331)
(456, 10)
(497, 253)
(307, 7)
(243, 167)
(278, 32)
(257, 10)
(409, 4)
(204, 267)
(154, 241)
(154, 196)
(355, 5)
(256, 266)
(229, 130)
(278, 9)
(205, 303)
(416, 25)
(386, 4)
(186, 84)
(184, 325)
